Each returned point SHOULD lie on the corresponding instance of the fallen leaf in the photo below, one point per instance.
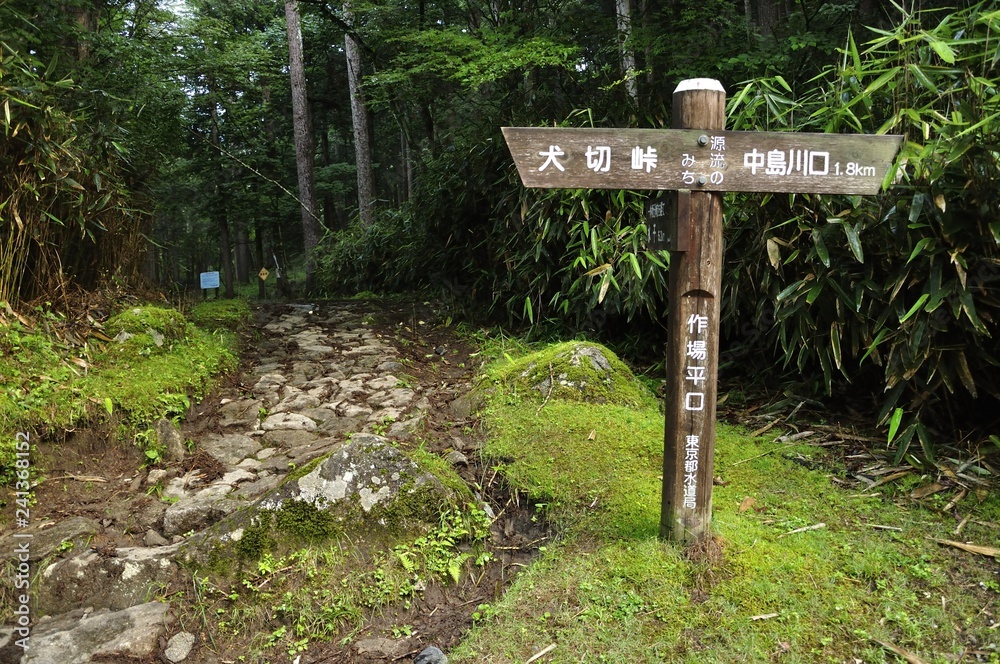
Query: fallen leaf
(971, 548)
(890, 478)
(747, 503)
(593, 435)
(926, 490)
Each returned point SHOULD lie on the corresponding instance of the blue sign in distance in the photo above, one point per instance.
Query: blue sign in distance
(209, 280)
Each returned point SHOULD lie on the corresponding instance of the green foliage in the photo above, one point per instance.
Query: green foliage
(904, 283)
(608, 586)
(48, 385)
(230, 314)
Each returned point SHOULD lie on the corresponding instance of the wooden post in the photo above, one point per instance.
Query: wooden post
(693, 331)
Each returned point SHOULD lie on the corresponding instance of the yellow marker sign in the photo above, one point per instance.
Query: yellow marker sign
(263, 274)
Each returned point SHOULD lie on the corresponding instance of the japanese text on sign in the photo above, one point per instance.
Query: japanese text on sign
(696, 351)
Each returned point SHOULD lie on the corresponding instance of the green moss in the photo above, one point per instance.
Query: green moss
(255, 542)
(229, 314)
(138, 320)
(610, 587)
(306, 522)
(304, 469)
(46, 385)
(572, 371)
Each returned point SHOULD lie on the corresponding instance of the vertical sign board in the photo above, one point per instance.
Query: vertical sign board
(697, 159)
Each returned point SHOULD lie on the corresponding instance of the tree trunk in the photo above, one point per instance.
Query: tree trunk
(304, 158)
(219, 211)
(243, 258)
(362, 126)
(624, 14)
(766, 15)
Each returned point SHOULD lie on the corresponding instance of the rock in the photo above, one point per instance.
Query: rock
(353, 410)
(363, 486)
(431, 655)
(380, 648)
(399, 397)
(287, 438)
(270, 382)
(114, 582)
(251, 490)
(195, 513)
(383, 383)
(230, 448)
(576, 371)
(154, 538)
(155, 476)
(176, 489)
(250, 464)
(456, 458)
(171, 439)
(243, 413)
(132, 633)
(47, 539)
(390, 365)
(320, 415)
(288, 421)
(179, 647)
(368, 469)
(403, 430)
(234, 477)
(464, 406)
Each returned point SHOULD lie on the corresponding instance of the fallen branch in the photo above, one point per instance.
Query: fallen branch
(908, 656)
(79, 478)
(802, 530)
(541, 653)
(991, 551)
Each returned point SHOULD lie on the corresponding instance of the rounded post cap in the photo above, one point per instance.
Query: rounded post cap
(699, 84)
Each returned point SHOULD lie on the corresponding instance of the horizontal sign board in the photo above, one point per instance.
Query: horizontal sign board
(701, 160)
(209, 279)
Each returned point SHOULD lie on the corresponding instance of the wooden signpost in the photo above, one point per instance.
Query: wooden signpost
(698, 159)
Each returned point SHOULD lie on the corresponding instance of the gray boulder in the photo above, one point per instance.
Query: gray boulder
(133, 633)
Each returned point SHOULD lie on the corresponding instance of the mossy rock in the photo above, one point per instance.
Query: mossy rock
(139, 320)
(574, 371)
(367, 490)
(221, 314)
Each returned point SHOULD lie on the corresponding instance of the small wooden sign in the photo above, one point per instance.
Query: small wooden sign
(666, 230)
(209, 280)
(263, 274)
(701, 160)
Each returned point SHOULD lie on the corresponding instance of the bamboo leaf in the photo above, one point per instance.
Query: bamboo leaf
(922, 78)
(897, 417)
(916, 306)
(944, 51)
(605, 284)
(854, 241)
(635, 265)
(965, 375)
(821, 250)
(600, 269)
(835, 343)
(774, 253)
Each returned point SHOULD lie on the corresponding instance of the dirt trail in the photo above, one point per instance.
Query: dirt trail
(312, 374)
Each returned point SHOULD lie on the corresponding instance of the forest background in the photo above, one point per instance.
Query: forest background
(358, 146)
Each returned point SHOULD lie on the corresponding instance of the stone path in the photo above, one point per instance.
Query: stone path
(322, 373)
